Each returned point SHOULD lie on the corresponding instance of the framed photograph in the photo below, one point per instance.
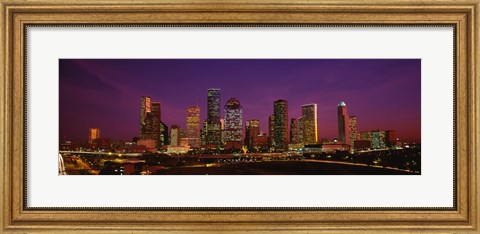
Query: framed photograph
(246, 116)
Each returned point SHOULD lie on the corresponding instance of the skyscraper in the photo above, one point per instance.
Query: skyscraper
(145, 108)
(252, 130)
(233, 123)
(164, 136)
(94, 133)
(193, 126)
(150, 121)
(203, 133)
(175, 135)
(353, 129)
(222, 131)
(300, 130)
(271, 130)
(294, 131)
(343, 125)
(213, 133)
(280, 112)
(310, 127)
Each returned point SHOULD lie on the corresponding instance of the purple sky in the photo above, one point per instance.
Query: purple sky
(105, 93)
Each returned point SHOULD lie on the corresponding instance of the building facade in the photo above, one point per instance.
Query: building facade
(203, 134)
(252, 130)
(353, 130)
(343, 124)
(271, 130)
(213, 132)
(233, 124)
(365, 135)
(93, 134)
(152, 129)
(310, 124)
(281, 134)
(193, 126)
(164, 136)
(294, 131)
(378, 139)
(390, 139)
(145, 107)
(175, 135)
(300, 130)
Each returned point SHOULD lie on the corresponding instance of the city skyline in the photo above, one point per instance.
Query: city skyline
(402, 113)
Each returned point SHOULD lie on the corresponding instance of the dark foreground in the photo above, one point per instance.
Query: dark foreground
(284, 168)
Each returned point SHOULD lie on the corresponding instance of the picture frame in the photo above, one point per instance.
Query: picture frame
(16, 15)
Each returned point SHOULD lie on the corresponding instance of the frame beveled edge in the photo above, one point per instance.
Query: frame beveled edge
(14, 14)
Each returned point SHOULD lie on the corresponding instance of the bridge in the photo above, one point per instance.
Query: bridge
(101, 153)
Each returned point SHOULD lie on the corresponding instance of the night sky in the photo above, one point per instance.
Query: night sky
(105, 93)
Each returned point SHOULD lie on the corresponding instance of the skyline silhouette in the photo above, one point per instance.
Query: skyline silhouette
(105, 93)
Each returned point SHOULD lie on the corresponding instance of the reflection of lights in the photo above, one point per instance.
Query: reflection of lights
(120, 155)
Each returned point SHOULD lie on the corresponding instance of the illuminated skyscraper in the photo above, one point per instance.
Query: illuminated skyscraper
(310, 127)
(343, 125)
(213, 133)
(271, 130)
(222, 131)
(145, 107)
(203, 133)
(233, 123)
(252, 130)
(294, 131)
(164, 136)
(353, 129)
(193, 126)
(153, 129)
(94, 133)
(280, 132)
(300, 130)
(174, 135)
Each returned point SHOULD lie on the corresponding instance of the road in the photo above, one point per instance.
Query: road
(76, 166)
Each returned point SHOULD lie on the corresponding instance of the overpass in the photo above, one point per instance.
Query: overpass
(101, 153)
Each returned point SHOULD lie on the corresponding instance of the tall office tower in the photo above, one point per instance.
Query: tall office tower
(271, 130)
(390, 139)
(310, 127)
(175, 135)
(94, 133)
(280, 132)
(152, 129)
(203, 134)
(294, 131)
(214, 136)
(164, 137)
(145, 107)
(353, 129)
(301, 129)
(252, 130)
(378, 139)
(233, 123)
(343, 125)
(222, 131)
(193, 126)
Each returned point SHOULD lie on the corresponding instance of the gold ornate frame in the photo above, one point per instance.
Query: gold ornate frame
(16, 14)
